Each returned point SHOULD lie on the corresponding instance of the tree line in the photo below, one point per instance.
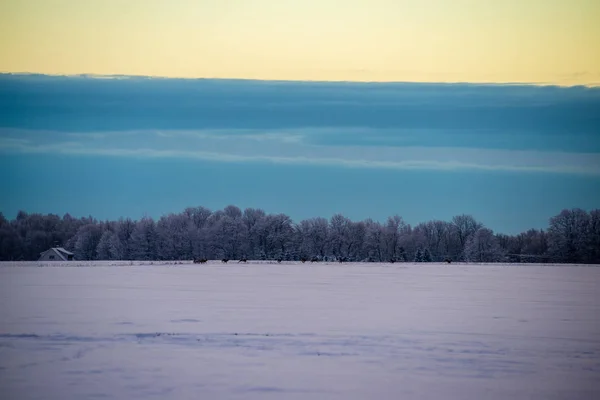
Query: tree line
(573, 236)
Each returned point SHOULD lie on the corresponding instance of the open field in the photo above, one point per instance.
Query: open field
(299, 331)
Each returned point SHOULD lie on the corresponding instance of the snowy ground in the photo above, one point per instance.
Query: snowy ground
(269, 331)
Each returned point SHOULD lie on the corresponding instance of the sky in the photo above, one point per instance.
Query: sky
(426, 109)
(510, 155)
(540, 41)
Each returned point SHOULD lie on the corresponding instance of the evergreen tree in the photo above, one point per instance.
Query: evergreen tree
(143, 240)
(419, 256)
(402, 255)
(109, 247)
(426, 256)
(116, 248)
(103, 249)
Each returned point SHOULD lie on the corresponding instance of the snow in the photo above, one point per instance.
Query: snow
(298, 331)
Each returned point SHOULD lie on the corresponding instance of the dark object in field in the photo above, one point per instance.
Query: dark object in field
(279, 260)
(200, 260)
(447, 260)
(243, 260)
(342, 259)
(314, 259)
(392, 260)
(225, 260)
(303, 259)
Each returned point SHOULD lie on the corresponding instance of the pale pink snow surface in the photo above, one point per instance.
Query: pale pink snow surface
(264, 331)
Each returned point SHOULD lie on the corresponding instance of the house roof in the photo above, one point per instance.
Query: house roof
(60, 252)
(63, 250)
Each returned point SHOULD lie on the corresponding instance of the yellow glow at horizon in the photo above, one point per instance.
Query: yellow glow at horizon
(546, 41)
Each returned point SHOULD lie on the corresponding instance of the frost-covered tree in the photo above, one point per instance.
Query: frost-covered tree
(573, 236)
(11, 245)
(124, 230)
(592, 240)
(374, 241)
(228, 237)
(280, 234)
(356, 239)
(319, 236)
(36, 239)
(109, 247)
(144, 240)
(338, 231)
(86, 242)
(302, 240)
(201, 242)
(402, 256)
(530, 246)
(434, 236)
(115, 248)
(392, 235)
(567, 235)
(198, 216)
(175, 237)
(419, 256)
(67, 230)
(426, 256)
(252, 219)
(103, 248)
(464, 227)
(233, 212)
(482, 246)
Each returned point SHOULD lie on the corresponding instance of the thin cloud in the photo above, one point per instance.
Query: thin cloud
(239, 134)
(55, 103)
(227, 148)
(359, 125)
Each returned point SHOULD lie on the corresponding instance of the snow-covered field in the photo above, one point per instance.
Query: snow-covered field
(292, 331)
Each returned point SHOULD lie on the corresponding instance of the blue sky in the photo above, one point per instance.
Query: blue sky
(511, 155)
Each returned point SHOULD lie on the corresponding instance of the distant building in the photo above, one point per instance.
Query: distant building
(56, 254)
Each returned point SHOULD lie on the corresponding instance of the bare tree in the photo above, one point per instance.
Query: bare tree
(233, 212)
(374, 241)
(175, 237)
(482, 246)
(86, 242)
(339, 230)
(144, 240)
(592, 250)
(567, 235)
(465, 226)
(356, 238)
(227, 237)
(395, 227)
(319, 236)
(252, 218)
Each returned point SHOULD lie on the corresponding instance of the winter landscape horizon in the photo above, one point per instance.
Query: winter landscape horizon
(198, 233)
(317, 199)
